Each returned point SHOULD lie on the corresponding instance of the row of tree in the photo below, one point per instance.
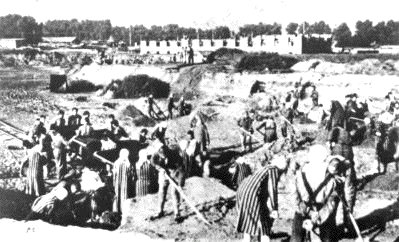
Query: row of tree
(17, 26)
(368, 34)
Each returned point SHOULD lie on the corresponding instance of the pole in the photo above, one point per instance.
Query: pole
(248, 133)
(102, 159)
(353, 221)
(180, 190)
(159, 109)
(130, 35)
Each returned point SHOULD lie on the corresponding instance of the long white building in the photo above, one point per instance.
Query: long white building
(282, 44)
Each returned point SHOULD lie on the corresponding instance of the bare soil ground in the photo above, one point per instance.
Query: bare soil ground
(376, 209)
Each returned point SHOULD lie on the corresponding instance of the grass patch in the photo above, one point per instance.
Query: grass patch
(224, 53)
(136, 86)
(263, 60)
(80, 86)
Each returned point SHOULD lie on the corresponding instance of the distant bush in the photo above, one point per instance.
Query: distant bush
(263, 60)
(9, 62)
(347, 58)
(223, 53)
(80, 86)
(135, 86)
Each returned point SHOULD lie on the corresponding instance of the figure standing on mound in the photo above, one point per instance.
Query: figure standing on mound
(169, 163)
(318, 187)
(171, 106)
(191, 56)
(123, 180)
(192, 157)
(201, 134)
(315, 96)
(270, 127)
(151, 111)
(340, 144)
(182, 106)
(246, 124)
(257, 202)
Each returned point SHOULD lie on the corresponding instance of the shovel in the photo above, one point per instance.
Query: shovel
(353, 221)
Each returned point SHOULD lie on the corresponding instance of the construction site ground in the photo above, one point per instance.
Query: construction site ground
(376, 210)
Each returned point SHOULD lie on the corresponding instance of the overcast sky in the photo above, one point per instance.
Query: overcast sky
(206, 13)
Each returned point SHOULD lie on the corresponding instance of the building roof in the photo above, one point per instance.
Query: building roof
(10, 39)
(59, 39)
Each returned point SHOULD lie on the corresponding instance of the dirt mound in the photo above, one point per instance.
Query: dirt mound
(204, 193)
(136, 116)
(189, 79)
(138, 86)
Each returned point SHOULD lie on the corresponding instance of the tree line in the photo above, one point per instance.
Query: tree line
(366, 34)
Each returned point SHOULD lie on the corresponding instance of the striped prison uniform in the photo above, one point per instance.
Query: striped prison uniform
(242, 171)
(252, 198)
(123, 183)
(270, 135)
(35, 181)
(42, 207)
(146, 182)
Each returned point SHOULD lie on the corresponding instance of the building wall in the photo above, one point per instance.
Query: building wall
(11, 43)
(282, 44)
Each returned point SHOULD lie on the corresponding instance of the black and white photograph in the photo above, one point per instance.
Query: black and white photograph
(243, 121)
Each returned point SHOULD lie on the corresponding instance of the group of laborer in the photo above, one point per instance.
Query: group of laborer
(156, 162)
(325, 180)
(155, 112)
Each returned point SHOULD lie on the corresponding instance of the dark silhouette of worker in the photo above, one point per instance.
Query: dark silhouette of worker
(191, 56)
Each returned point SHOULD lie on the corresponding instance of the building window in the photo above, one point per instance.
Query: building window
(224, 42)
(212, 43)
(158, 43)
(201, 43)
(275, 41)
(157, 52)
(148, 43)
(168, 52)
(167, 43)
(237, 43)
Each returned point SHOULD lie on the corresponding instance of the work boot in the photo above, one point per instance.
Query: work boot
(159, 215)
(178, 218)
